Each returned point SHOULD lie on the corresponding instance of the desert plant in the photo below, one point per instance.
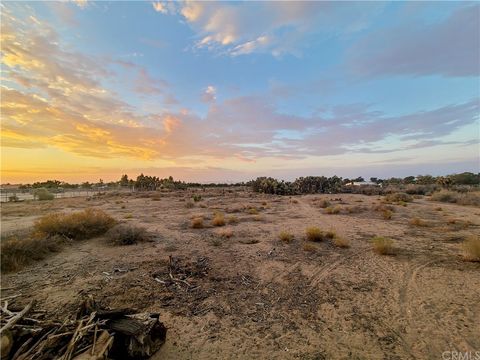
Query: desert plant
(189, 204)
(471, 248)
(80, 225)
(225, 233)
(232, 219)
(285, 236)
(314, 234)
(383, 245)
(197, 197)
(252, 211)
(333, 210)
(398, 196)
(18, 252)
(43, 194)
(324, 203)
(418, 222)
(309, 247)
(466, 198)
(387, 214)
(126, 234)
(197, 222)
(218, 220)
(341, 242)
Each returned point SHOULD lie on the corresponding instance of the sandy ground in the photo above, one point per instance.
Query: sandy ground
(254, 297)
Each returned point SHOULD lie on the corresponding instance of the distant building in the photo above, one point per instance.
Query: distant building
(363, 183)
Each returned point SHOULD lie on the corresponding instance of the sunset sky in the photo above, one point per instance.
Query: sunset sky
(227, 91)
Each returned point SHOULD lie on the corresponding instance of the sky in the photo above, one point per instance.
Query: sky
(228, 91)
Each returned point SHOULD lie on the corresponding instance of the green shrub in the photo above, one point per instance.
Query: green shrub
(383, 245)
(197, 198)
(43, 194)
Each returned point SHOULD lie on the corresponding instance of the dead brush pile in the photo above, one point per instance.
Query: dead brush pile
(126, 234)
(94, 333)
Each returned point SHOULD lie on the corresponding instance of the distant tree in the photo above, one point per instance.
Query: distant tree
(358, 179)
(409, 180)
(425, 179)
(466, 178)
(124, 180)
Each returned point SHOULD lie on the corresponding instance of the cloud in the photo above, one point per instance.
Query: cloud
(285, 27)
(159, 7)
(449, 48)
(209, 94)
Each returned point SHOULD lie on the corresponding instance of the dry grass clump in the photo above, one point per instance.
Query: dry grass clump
(80, 225)
(341, 242)
(356, 209)
(471, 248)
(18, 252)
(197, 222)
(218, 220)
(232, 219)
(156, 198)
(399, 196)
(468, 198)
(189, 204)
(285, 236)
(309, 247)
(324, 203)
(418, 222)
(252, 211)
(383, 245)
(333, 210)
(316, 234)
(226, 233)
(387, 214)
(126, 234)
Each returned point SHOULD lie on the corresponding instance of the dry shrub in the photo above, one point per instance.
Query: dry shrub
(438, 209)
(226, 233)
(189, 204)
(418, 222)
(285, 236)
(468, 198)
(314, 234)
(126, 234)
(80, 225)
(18, 252)
(399, 196)
(387, 214)
(341, 242)
(156, 198)
(383, 245)
(252, 211)
(330, 234)
(355, 209)
(218, 220)
(324, 203)
(258, 218)
(294, 201)
(333, 210)
(309, 247)
(232, 219)
(471, 248)
(197, 222)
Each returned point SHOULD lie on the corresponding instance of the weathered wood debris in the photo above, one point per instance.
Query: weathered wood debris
(94, 333)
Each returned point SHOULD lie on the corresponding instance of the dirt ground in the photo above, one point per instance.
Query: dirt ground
(251, 296)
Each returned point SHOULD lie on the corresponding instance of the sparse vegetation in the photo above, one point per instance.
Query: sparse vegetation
(333, 210)
(197, 222)
(18, 252)
(467, 198)
(387, 214)
(399, 196)
(232, 219)
(197, 197)
(43, 194)
(309, 247)
(471, 248)
(314, 234)
(189, 204)
(418, 222)
(126, 234)
(218, 220)
(252, 211)
(226, 233)
(383, 245)
(76, 226)
(341, 242)
(324, 203)
(285, 236)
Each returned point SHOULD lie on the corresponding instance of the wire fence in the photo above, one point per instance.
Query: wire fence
(22, 195)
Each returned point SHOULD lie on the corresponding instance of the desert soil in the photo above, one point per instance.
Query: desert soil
(251, 296)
